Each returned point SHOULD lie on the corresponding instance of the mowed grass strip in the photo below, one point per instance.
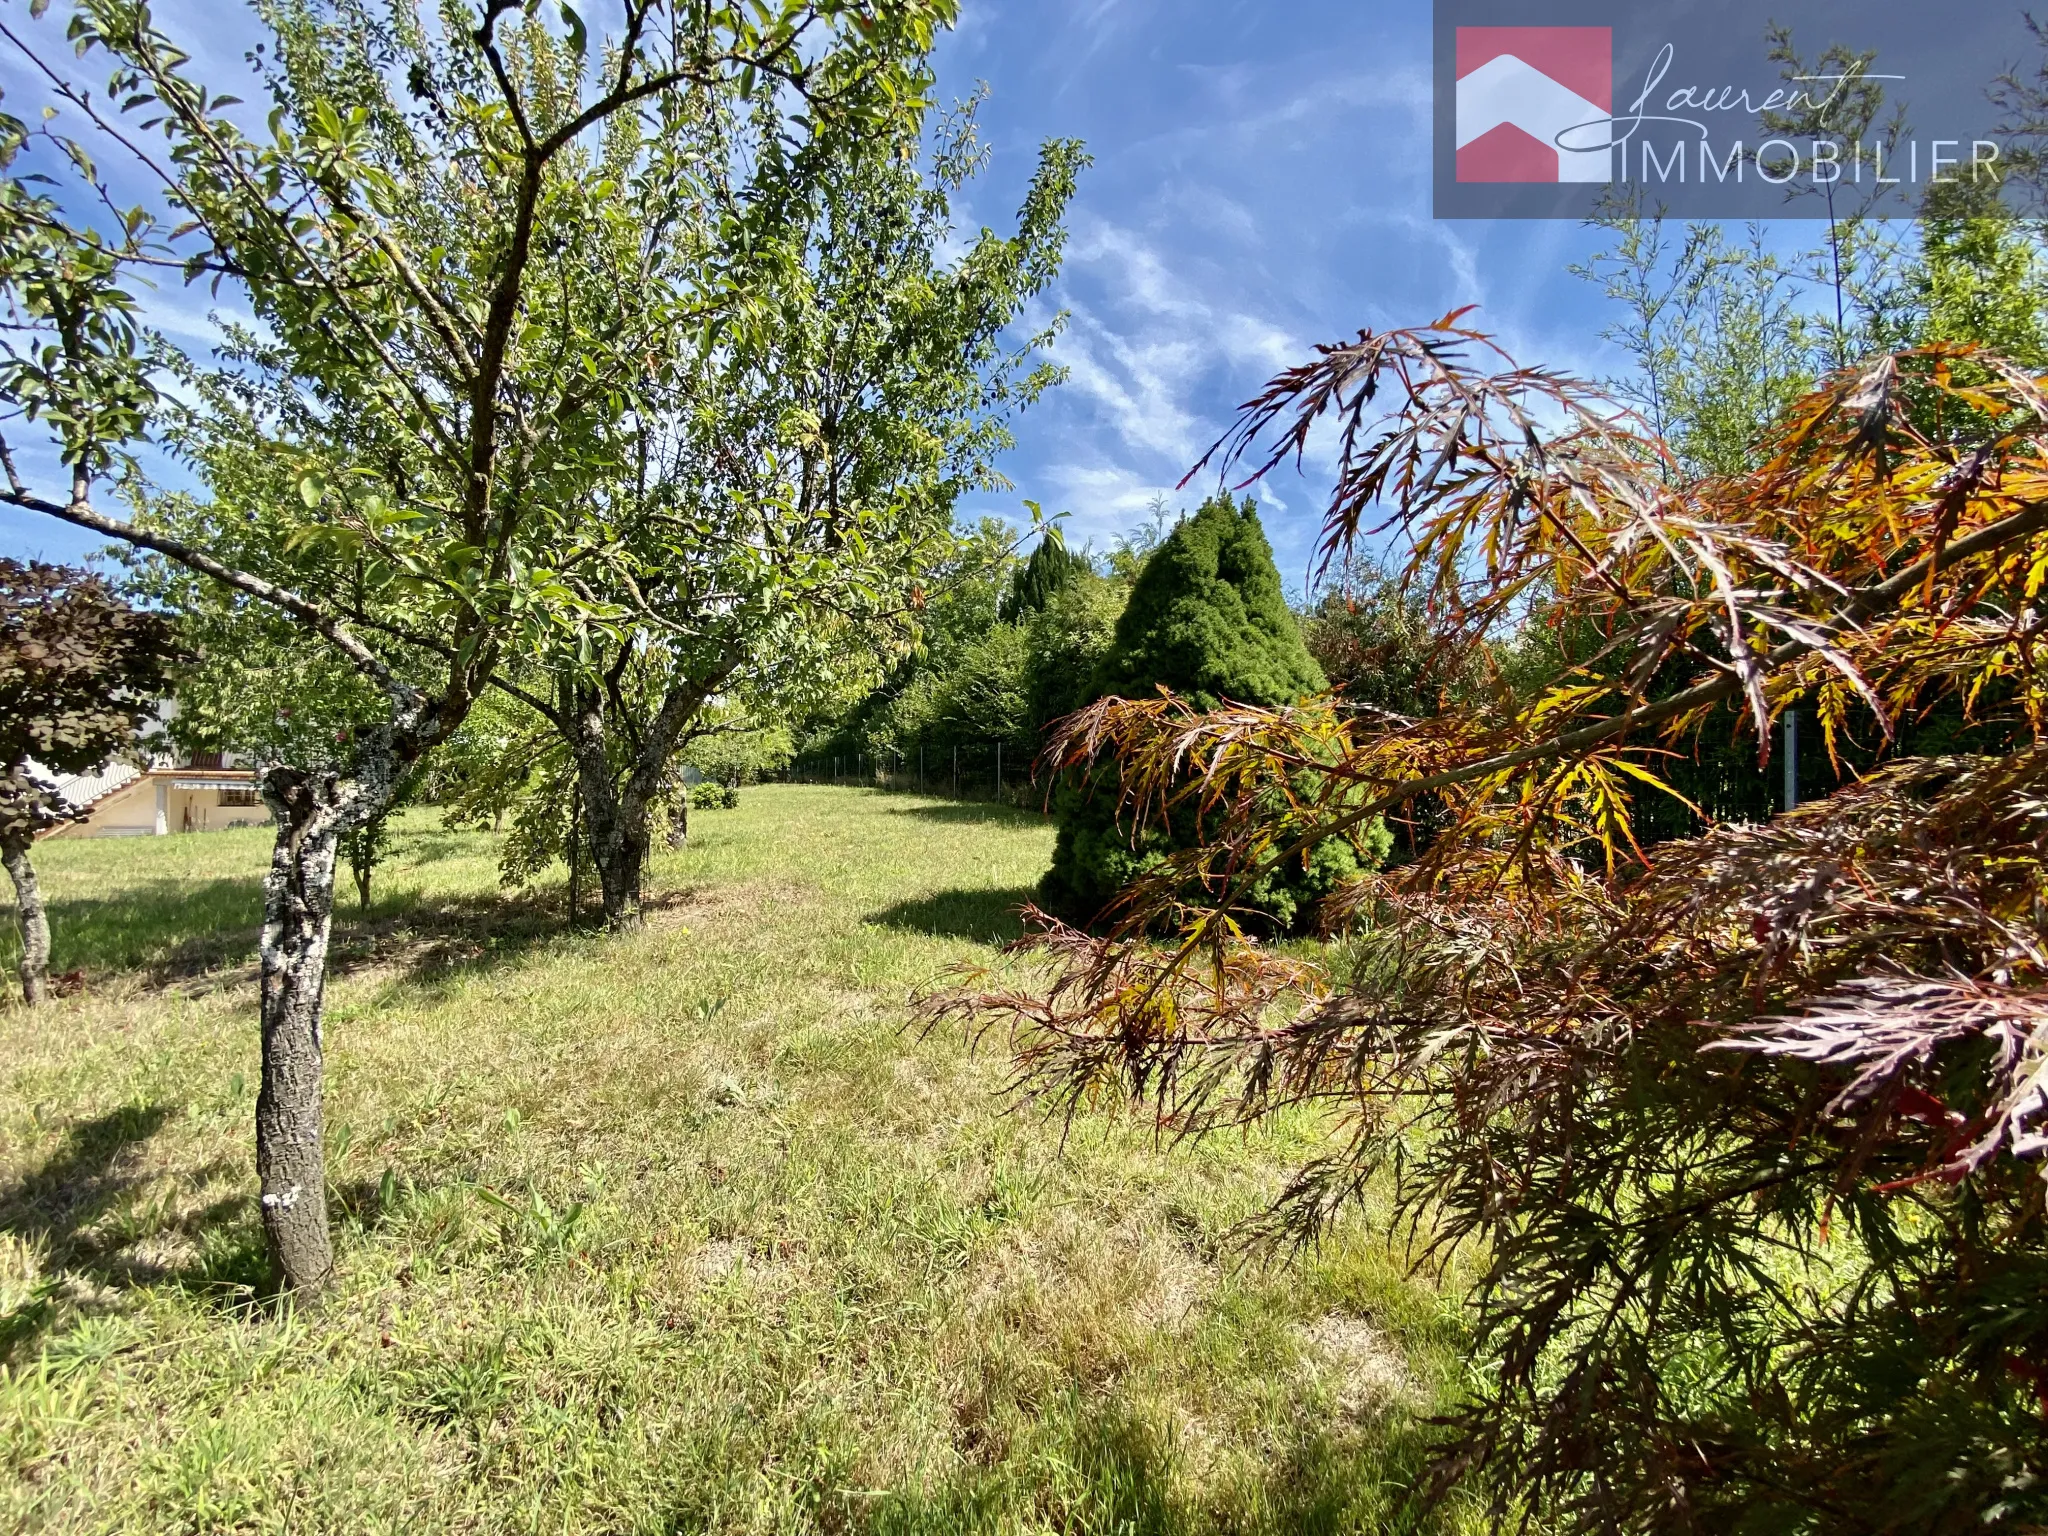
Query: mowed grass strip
(685, 1231)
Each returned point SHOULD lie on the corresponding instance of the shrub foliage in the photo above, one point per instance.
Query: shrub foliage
(1751, 1139)
(1207, 621)
(1050, 570)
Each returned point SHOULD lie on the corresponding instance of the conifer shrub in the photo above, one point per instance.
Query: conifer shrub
(1051, 569)
(1207, 619)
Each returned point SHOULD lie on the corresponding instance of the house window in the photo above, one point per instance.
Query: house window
(240, 797)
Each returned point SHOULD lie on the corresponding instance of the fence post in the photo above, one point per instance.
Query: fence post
(999, 771)
(920, 767)
(1791, 759)
(956, 772)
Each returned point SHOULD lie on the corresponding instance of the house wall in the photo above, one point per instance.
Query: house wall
(131, 810)
(200, 810)
(128, 812)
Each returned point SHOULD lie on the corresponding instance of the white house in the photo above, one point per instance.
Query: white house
(200, 794)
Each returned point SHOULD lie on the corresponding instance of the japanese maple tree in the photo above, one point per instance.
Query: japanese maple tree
(1750, 1131)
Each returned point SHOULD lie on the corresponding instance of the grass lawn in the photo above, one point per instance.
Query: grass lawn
(679, 1232)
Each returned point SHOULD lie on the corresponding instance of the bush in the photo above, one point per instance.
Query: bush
(711, 795)
(1207, 620)
(1007, 683)
(1373, 642)
(734, 757)
(982, 697)
(1066, 642)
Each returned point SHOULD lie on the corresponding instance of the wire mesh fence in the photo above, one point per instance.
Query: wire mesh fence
(991, 771)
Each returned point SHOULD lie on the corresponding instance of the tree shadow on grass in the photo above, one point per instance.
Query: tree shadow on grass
(202, 936)
(433, 942)
(59, 1203)
(986, 916)
(974, 813)
(436, 942)
(414, 847)
(76, 1210)
(165, 926)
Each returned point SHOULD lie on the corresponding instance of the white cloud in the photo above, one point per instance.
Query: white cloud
(1246, 339)
(1146, 281)
(1152, 343)
(1108, 489)
(1406, 90)
(1210, 209)
(1136, 382)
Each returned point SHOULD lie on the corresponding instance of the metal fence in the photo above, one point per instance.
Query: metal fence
(990, 771)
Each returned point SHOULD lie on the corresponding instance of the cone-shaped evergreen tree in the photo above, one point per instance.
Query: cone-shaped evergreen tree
(1207, 619)
(1034, 583)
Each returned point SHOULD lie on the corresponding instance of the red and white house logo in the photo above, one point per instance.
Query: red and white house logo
(1520, 88)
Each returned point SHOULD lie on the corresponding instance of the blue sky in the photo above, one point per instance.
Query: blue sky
(1260, 184)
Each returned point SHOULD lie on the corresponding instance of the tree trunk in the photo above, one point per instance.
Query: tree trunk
(622, 869)
(575, 852)
(616, 823)
(312, 809)
(614, 818)
(617, 811)
(35, 923)
(364, 845)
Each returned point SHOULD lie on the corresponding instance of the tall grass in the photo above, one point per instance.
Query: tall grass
(680, 1232)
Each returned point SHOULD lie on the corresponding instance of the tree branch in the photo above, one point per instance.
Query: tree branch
(79, 512)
